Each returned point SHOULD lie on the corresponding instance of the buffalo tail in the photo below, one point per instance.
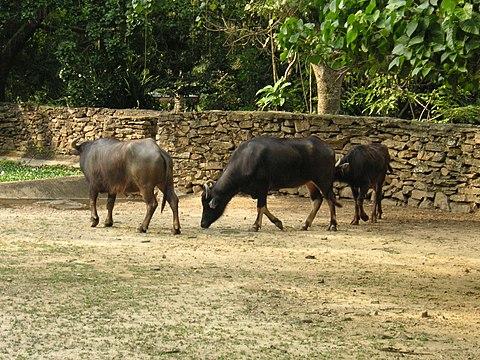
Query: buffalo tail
(168, 183)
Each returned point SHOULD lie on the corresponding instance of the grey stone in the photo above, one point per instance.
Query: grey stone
(441, 201)
(426, 204)
(461, 208)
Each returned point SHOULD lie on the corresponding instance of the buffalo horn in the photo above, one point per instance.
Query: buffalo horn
(208, 186)
(74, 143)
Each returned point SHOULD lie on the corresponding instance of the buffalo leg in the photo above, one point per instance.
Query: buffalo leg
(258, 221)
(327, 192)
(110, 205)
(172, 200)
(317, 195)
(356, 217)
(272, 218)
(377, 204)
(361, 198)
(333, 216)
(317, 200)
(94, 219)
(152, 203)
(262, 209)
(261, 204)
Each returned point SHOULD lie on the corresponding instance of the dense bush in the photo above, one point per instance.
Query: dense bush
(388, 95)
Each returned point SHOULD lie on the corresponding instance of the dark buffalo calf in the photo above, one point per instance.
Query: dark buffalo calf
(365, 167)
(137, 166)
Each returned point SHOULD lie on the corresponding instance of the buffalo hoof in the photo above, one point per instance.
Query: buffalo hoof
(176, 231)
(354, 222)
(278, 224)
(254, 228)
(108, 224)
(305, 227)
(365, 217)
(140, 229)
(332, 227)
(94, 222)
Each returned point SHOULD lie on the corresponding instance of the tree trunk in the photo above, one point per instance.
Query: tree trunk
(329, 86)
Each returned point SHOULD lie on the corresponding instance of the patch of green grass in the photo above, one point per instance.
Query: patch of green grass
(14, 171)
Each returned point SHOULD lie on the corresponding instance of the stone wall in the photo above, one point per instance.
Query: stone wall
(435, 165)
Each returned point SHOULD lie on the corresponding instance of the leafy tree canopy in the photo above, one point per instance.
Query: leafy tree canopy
(431, 39)
(116, 52)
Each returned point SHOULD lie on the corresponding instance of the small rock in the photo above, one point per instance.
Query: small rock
(310, 257)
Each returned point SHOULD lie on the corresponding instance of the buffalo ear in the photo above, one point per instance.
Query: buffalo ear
(344, 167)
(213, 203)
(342, 170)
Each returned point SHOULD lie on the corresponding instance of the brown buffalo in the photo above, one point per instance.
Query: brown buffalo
(137, 166)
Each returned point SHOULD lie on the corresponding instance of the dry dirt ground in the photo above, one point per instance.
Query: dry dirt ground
(406, 287)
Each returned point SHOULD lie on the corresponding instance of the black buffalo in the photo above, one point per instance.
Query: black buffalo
(363, 168)
(267, 163)
(137, 166)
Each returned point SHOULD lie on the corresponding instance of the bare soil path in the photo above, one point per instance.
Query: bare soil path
(406, 287)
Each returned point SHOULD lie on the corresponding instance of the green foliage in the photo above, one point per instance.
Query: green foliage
(137, 13)
(139, 86)
(14, 171)
(389, 95)
(115, 54)
(437, 40)
(382, 95)
(273, 97)
(220, 93)
(466, 115)
(93, 60)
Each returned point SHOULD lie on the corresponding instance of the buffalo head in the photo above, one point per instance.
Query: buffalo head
(213, 204)
(342, 171)
(77, 146)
